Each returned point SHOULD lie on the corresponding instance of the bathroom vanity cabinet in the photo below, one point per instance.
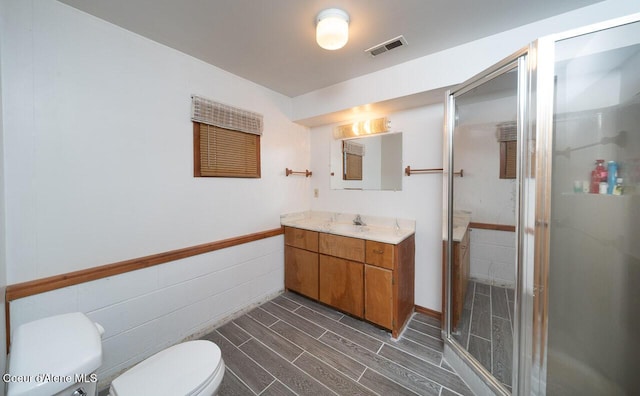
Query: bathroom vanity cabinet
(364, 278)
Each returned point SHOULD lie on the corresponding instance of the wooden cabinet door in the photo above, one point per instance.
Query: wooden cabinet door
(457, 294)
(301, 271)
(341, 284)
(465, 262)
(460, 278)
(378, 296)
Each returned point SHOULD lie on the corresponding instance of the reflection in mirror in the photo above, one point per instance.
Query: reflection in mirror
(352, 157)
(368, 163)
(484, 216)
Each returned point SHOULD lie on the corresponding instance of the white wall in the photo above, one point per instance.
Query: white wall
(420, 198)
(98, 169)
(371, 171)
(490, 199)
(99, 147)
(391, 163)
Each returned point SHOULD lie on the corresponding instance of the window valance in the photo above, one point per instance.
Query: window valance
(507, 132)
(224, 116)
(351, 147)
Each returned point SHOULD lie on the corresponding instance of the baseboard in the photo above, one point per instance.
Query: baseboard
(429, 312)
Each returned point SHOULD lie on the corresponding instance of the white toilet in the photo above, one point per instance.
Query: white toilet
(190, 368)
(59, 356)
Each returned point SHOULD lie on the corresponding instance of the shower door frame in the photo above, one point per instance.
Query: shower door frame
(522, 62)
(536, 87)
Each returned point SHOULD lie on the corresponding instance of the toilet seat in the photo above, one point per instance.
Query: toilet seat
(189, 368)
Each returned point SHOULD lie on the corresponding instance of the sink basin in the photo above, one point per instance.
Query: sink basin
(347, 228)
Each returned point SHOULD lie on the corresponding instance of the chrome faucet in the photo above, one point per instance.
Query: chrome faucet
(358, 221)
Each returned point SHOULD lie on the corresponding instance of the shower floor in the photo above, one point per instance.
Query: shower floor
(486, 328)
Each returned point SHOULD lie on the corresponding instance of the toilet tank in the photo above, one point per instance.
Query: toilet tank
(53, 354)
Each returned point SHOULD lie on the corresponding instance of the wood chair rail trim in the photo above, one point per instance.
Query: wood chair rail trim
(42, 285)
(37, 286)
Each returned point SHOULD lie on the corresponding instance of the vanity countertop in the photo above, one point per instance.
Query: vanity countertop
(379, 229)
(461, 220)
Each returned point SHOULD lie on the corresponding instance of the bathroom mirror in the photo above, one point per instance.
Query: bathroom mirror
(381, 163)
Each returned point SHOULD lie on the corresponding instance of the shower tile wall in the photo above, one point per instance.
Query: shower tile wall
(593, 251)
(493, 257)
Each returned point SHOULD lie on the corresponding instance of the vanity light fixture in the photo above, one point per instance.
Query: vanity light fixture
(362, 128)
(332, 29)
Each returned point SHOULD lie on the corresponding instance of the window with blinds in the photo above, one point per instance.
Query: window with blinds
(507, 137)
(221, 152)
(352, 167)
(508, 159)
(226, 140)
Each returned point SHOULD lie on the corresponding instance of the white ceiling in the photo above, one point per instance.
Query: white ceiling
(272, 42)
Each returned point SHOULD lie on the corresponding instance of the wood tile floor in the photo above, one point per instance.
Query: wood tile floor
(486, 328)
(294, 346)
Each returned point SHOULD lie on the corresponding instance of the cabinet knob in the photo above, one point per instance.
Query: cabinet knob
(379, 251)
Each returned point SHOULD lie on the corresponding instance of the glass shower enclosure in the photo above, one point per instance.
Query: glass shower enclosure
(549, 140)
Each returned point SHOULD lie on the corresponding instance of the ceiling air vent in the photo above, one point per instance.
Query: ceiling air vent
(387, 46)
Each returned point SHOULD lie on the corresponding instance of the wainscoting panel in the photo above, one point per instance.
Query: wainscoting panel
(149, 309)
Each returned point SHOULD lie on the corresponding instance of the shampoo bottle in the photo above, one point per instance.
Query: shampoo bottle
(597, 176)
(612, 175)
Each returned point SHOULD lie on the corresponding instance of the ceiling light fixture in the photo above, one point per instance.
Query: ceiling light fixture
(332, 29)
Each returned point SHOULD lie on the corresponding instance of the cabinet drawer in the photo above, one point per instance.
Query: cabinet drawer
(380, 254)
(303, 239)
(340, 246)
